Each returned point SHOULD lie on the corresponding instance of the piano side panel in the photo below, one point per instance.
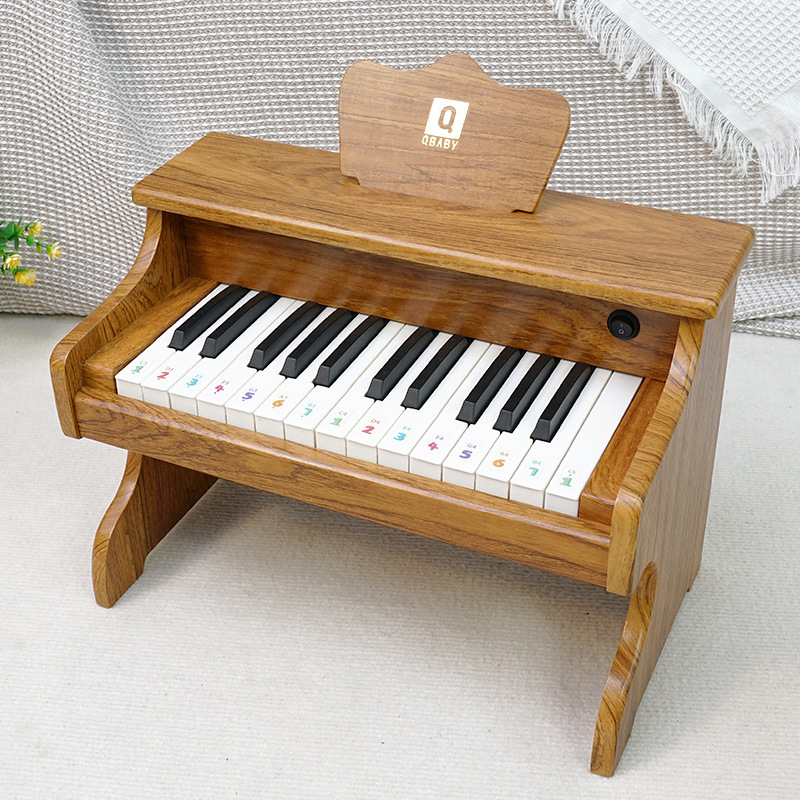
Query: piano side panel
(663, 500)
(495, 310)
(598, 498)
(673, 520)
(160, 266)
(100, 368)
(502, 528)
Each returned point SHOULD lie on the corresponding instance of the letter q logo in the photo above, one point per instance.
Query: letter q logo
(446, 118)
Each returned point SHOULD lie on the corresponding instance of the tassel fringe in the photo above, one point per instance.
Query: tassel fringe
(778, 160)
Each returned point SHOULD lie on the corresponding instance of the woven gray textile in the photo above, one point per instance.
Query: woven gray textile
(105, 92)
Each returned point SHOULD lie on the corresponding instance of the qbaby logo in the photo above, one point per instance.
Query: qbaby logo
(445, 121)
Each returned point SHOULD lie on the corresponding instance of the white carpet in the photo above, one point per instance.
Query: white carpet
(273, 650)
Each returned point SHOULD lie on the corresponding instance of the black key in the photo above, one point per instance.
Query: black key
(344, 355)
(388, 376)
(423, 386)
(237, 323)
(558, 408)
(316, 342)
(282, 336)
(206, 316)
(521, 398)
(487, 386)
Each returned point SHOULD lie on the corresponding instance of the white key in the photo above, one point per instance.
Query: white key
(564, 490)
(541, 461)
(461, 465)
(279, 404)
(499, 465)
(362, 440)
(401, 437)
(243, 401)
(435, 444)
(330, 433)
(184, 394)
(129, 378)
(211, 396)
(155, 387)
(299, 425)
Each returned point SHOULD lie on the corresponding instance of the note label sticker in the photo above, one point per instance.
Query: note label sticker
(445, 121)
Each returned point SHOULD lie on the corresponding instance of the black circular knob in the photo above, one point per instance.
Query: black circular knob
(623, 324)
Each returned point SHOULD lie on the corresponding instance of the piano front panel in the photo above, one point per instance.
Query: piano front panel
(498, 311)
(474, 520)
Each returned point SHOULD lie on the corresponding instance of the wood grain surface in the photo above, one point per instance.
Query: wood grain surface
(541, 320)
(607, 745)
(100, 368)
(271, 216)
(600, 494)
(662, 529)
(151, 498)
(396, 132)
(473, 520)
(159, 267)
(637, 257)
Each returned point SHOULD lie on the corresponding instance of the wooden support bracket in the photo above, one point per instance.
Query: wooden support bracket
(151, 498)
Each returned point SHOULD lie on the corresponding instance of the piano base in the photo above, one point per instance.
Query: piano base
(154, 495)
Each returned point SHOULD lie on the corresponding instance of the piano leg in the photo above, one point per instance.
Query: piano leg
(630, 673)
(655, 602)
(151, 499)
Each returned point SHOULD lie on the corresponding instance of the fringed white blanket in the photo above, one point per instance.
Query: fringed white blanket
(734, 65)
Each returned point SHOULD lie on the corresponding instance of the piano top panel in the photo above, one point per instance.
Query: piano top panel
(637, 256)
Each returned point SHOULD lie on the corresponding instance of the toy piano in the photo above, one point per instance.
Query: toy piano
(414, 332)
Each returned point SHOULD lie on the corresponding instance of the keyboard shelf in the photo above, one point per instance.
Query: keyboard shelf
(100, 369)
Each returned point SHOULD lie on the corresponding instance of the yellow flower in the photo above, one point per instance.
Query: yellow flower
(35, 228)
(25, 276)
(11, 261)
(53, 250)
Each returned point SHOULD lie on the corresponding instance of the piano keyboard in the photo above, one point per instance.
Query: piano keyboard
(513, 423)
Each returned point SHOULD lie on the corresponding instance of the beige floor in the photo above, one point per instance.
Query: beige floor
(272, 650)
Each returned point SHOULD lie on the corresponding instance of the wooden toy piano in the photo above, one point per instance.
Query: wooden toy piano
(426, 234)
